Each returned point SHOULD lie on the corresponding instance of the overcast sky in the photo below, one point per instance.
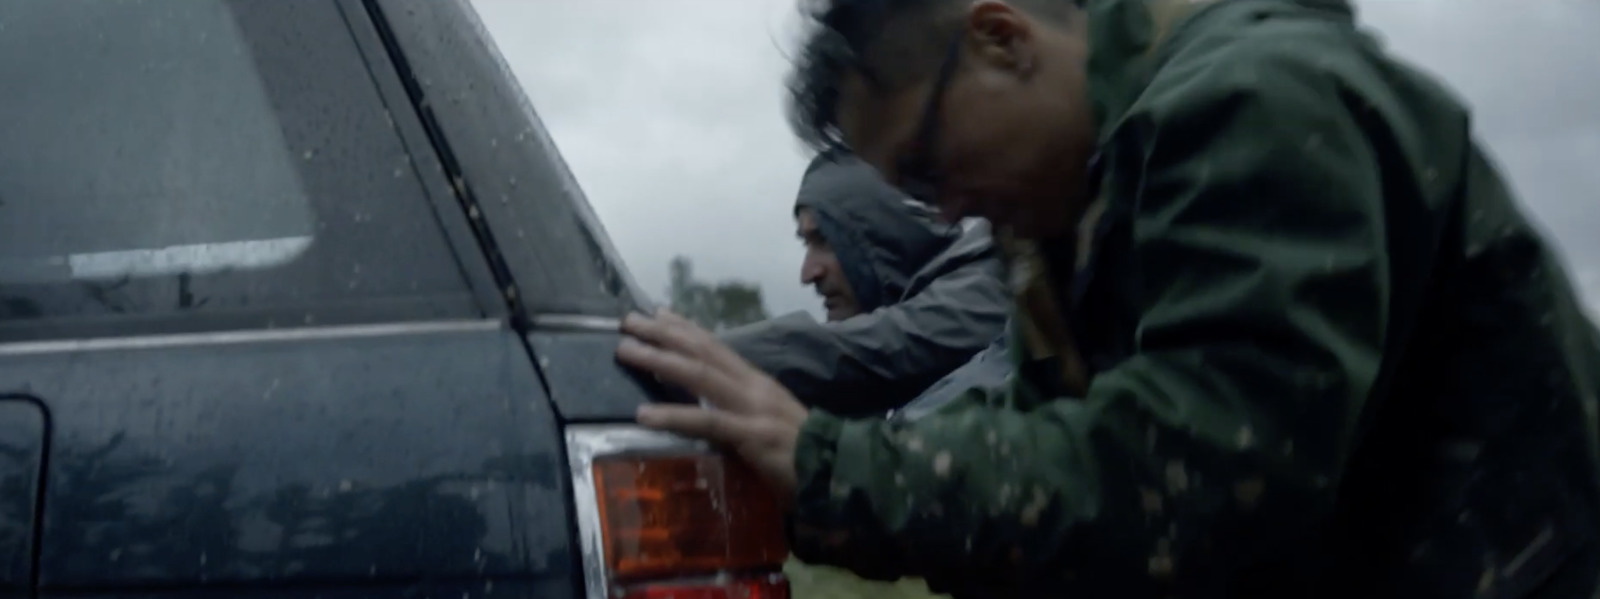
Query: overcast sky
(669, 112)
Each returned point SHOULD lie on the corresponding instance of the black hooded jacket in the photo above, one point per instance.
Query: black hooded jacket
(932, 296)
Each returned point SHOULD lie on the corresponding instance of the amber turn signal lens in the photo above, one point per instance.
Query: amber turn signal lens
(773, 587)
(679, 515)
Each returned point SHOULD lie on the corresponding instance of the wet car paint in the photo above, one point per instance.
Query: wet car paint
(586, 383)
(22, 434)
(372, 459)
(418, 459)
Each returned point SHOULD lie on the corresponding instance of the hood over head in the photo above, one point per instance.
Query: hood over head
(881, 237)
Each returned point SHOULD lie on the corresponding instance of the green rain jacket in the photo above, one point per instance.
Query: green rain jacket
(1329, 356)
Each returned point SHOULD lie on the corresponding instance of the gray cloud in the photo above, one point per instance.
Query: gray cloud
(669, 113)
(670, 116)
(1529, 75)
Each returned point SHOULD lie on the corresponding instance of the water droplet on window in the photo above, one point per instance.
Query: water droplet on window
(840, 491)
(1248, 492)
(1177, 477)
(1161, 561)
(1486, 582)
(1035, 507)
(1150, 500)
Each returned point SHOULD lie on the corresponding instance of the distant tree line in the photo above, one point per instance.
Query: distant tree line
(714, 305)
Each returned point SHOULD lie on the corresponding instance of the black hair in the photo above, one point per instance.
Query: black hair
(888, 43)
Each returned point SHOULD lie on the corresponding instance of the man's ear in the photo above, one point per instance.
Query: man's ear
(1001, 37)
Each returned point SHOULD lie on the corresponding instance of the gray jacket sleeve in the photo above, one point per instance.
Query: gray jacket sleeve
(989, 371)
(879, 361)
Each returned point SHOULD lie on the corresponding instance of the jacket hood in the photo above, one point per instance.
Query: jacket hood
(881, 237)
(1127, 39)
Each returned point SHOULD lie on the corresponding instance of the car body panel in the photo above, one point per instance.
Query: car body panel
(368, 448)
(366, 454)
(585, 381)
(22, 441)
(419, 589)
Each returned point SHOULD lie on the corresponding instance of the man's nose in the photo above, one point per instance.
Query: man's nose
(811, 271)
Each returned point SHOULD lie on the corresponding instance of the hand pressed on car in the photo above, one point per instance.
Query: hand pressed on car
(750, 412)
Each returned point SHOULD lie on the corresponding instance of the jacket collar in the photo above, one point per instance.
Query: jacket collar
(1127, 39)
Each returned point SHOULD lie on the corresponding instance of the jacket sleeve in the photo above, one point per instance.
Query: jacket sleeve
(1261, 281)
(985, 373)
(878, 361)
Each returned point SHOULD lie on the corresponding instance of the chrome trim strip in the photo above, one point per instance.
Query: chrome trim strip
(585, 442)
(576, 322)
(250, 336)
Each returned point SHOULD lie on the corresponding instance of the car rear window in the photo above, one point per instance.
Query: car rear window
(173, 160)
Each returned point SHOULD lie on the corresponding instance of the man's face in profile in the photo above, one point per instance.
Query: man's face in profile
(822, 271)
(1000, 129)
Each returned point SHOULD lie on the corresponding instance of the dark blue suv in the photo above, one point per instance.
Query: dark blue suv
(297, 298)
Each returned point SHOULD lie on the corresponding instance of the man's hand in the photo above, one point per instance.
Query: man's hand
(750, 412)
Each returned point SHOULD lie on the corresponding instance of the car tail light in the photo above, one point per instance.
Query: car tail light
(663, 517)
(773, 587)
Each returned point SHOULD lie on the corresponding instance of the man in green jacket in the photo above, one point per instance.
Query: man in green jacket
(1309, 347)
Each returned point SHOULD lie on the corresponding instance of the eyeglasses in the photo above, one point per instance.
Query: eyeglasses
(918, 176)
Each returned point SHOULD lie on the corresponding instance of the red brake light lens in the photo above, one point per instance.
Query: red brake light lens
(684, 515)
(772, 587)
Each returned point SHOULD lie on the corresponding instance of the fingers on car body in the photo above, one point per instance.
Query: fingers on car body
(717, 426)
(681, 353)
(748, 411)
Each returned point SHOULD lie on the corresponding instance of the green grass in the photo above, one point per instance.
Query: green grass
(822, 582)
